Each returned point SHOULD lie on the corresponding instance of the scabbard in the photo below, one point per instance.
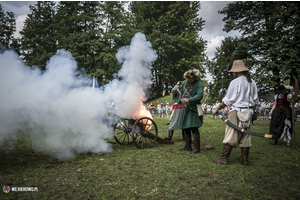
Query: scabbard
(183, 116)
(244, 130)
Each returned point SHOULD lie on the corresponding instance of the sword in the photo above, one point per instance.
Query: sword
(244, 130)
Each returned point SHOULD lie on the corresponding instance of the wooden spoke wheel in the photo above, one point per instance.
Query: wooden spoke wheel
(144, 133)
(122, 131)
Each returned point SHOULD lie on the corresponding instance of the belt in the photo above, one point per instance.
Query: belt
(245, 107)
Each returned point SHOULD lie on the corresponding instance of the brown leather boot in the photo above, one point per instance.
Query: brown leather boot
(244, 155)
(196, 143)
(187, 139)
(224, 157)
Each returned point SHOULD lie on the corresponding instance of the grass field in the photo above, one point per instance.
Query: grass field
(161, 172)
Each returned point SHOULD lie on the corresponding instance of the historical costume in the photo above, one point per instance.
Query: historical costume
(281, 116)
(241, 96)
(190, 121)
(174, 118)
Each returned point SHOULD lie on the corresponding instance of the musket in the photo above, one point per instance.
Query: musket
(244, 130)
(294, 97)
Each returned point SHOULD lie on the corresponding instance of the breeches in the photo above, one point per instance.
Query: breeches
(233, 137)
(192, 130)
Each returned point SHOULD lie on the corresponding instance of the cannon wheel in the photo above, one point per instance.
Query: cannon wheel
(144, 133)
(122, 131)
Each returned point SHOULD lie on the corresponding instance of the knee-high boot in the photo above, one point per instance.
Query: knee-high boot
(170, 135)
(187, 139)
(182, 131)
(244, 155)
(224, 157)
(196, 137)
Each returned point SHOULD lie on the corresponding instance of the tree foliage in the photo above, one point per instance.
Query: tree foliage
(93, 32)
(7, 28)
(173, 30)
(38, 43)
(271, 35)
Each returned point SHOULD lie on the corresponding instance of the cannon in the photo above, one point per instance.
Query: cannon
(142, 132)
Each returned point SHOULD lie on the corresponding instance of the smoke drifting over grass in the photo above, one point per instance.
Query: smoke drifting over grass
(62, 116)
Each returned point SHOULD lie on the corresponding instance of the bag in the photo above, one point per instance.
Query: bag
(199, 110)
(245, 118)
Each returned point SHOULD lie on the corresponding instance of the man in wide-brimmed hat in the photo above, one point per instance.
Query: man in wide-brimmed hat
(241, 96)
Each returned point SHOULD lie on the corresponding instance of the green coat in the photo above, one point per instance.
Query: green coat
(194, 94)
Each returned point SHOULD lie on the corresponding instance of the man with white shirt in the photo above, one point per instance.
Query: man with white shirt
(241, 95)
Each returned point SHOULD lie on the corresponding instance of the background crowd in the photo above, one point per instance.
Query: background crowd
(263, 109)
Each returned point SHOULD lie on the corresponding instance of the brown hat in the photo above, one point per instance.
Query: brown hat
(192, 73)
(238, 66)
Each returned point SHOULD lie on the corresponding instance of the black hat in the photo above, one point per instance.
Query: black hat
(280, 89)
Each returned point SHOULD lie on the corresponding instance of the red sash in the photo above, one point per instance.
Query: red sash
(176, 107)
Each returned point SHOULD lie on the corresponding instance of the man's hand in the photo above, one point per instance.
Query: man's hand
(215, 112)
(183, 100)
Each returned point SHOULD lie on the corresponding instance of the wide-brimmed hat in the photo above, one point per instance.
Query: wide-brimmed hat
(280, 89)
(238, 66)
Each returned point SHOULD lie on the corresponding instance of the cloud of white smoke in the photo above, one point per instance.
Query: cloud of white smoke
(59, 112)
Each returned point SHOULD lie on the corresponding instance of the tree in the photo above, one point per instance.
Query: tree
(78, 29)
(232, 48)
(271, 32)
(172, 28)
(7, 28)
(117, 31)
(37, 42)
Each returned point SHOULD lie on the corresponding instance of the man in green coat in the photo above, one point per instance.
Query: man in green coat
(191, 94)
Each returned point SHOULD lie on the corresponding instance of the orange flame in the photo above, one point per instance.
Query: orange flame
(146, 113)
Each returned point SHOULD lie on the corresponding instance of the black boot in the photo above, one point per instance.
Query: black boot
(170, 135)
(182, 134)
(196, 143)
(187, 137)
(244, 155)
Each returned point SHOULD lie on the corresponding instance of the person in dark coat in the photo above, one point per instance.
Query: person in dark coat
(190, 121)
(281, 116)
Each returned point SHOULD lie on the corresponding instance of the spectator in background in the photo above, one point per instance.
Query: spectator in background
(213, 108)
(271, 103)
(152, 109)
(167, 108)
(267, 110)
(159, 108)
(261, 108)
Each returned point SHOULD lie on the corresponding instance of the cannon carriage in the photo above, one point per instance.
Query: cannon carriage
(142, 132)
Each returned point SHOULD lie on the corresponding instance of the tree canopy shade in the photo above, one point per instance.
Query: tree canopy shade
(38, 41)
(93, 31)
(7, 28)
(173, 30)
(232, 48)
(270, 31)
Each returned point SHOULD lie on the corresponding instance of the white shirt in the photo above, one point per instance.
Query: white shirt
(237, 95)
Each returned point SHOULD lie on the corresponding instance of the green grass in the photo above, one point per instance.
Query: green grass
(161, 172)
